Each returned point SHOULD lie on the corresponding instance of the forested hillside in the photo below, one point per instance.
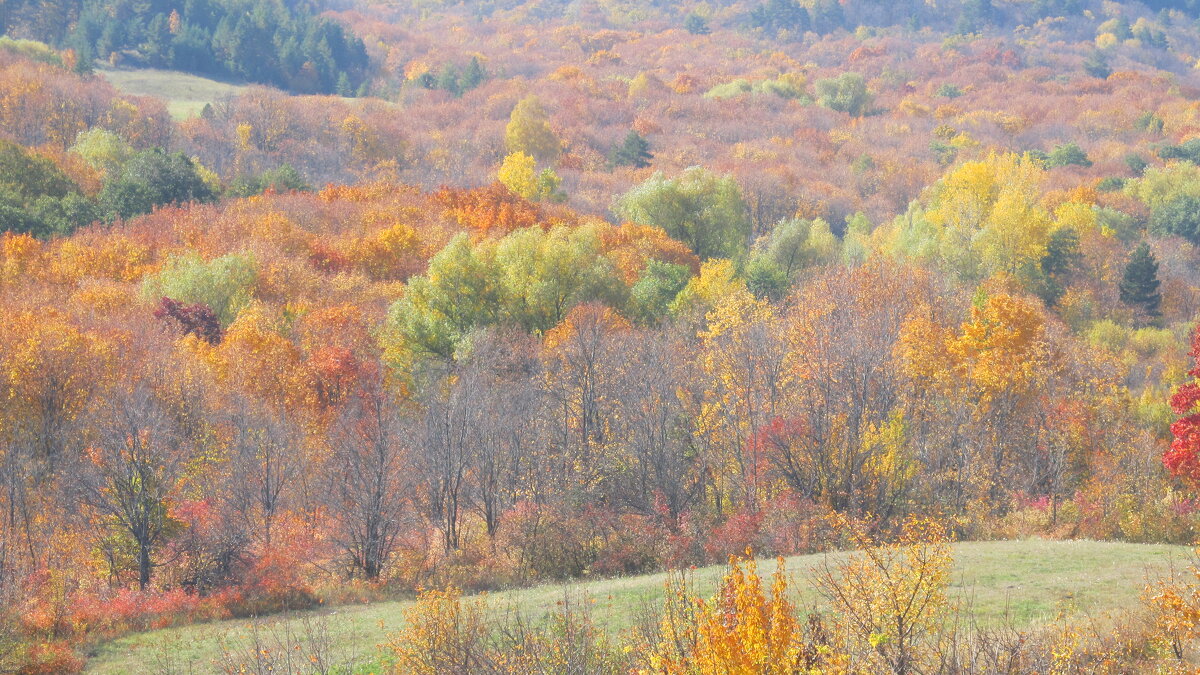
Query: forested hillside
(278, 43)
(559, 290)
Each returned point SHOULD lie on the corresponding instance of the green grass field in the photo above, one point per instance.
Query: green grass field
(184, 94)
(1025, 582)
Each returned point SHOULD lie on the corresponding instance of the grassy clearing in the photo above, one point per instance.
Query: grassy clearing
(1029, 582)
(184, 94)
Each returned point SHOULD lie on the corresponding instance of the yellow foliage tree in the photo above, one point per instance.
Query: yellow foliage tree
(744, 628)
(1002, 350)
(717, 279)
(743, 361)
(442, 634)
(519, 175)
(989, 217)
(528, 131)
(1175, 606)
(889, 599)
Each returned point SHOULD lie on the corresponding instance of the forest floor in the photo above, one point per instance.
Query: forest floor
(184, 94)
(1021, 583)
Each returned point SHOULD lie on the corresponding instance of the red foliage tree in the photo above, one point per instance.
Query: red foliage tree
(197, 319)
(1183, 459)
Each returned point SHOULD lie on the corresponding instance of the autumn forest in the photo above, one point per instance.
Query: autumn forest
(453, 297)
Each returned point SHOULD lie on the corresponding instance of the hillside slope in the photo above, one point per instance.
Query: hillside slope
(1025, 582)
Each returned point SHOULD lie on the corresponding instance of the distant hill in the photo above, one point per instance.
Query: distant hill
(284, 44)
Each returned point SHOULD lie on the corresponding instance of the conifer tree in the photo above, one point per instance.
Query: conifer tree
(473, 76)
(633, 151)
(1139, 285)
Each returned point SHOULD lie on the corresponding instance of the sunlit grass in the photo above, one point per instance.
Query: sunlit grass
(1022, 582)
(184, 94)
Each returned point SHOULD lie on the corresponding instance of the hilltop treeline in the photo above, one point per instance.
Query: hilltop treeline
(283, 44)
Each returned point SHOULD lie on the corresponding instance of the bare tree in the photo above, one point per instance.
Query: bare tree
(135, 464)
(367, 479)
(504, 371)
(267, 457)
(659, 459)
(452, 414)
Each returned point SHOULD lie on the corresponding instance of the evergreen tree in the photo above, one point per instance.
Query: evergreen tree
(473, 76)
(279, 43)
(1096, 65)
(633, 151)
(975, 16)
(344, 88)
(1061, 259)
(827, 16)
(448, 81)
(1139, 285)
(774, 16)
(696, 24)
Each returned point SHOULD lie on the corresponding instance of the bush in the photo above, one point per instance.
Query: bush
(225, 285)
(845, 93)
(1068, 154)
(153, 178)
(948, 90)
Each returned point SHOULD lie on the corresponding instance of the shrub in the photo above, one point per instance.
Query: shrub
(225, 285)
(845, 93)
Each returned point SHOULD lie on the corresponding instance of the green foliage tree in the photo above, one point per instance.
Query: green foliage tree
(765, 279)
(794, 244)
(282, 179)
(702, 209)
(845, 93)
(1096, 65)
(449, 80)
(36, 197)
(458, 293)
(152, 178)
(1068, 154)
(1136, 163)
(656, 288)
(1149, 122)
(102, 149)
(633, 151)
(225, 284)
(530, 278)
(696, 24)
(1188, 151)
(26, 177)
(63, 216)
(948, 90)
(1139, 286)
(542, 275)
(1178, 215)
